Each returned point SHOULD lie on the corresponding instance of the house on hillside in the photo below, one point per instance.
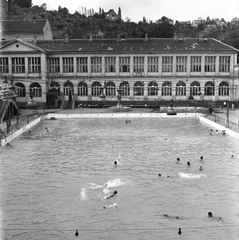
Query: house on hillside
(27, 30)
(111, 15)
(197, 22)
(235, 21)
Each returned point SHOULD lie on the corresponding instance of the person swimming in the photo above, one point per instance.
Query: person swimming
(211, 132)
(171, 217)
(112, 195)
(188, 164)
(201, 158)
(200, 168)
(115, 163)
(110, 206)
(47, 129)
(178, 160)
(210, 215)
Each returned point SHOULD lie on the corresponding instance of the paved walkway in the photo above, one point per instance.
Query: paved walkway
(233, 114)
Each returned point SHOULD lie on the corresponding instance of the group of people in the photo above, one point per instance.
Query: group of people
(217, 132)
(189, 164)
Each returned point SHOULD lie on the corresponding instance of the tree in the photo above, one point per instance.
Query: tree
(119, 13)
(22, 3)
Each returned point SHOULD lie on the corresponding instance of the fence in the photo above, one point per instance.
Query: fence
(21, 122)
(223, 122)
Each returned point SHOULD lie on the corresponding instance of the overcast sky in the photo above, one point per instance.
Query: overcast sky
(135, 10)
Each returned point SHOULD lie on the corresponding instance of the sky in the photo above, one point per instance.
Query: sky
(135, 10)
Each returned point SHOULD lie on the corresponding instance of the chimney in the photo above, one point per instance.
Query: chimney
(35, 40)
(2, 9)
(66, 38)
(9, 12)
(118, 38)
(91, 38)
(200, 37)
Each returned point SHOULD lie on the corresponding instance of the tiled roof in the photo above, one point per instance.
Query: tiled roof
(14, 26)
(131, 46)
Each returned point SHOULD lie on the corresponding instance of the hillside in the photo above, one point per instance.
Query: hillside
(82, 25)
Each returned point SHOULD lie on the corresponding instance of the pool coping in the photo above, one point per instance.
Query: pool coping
(55, 116)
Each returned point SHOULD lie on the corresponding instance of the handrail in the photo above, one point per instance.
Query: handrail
(223, 122)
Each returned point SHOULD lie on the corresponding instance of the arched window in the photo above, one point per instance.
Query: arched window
(181, 89)
(195, 89)
(138, 88)
(110, 89)
(21, 89)
(55, 85)
(82, 89)
(124, 85)
(223, 89)
(153, 88)
(35, 89)
(167, 88)
(96, 89)
(68, 86)
(209, 88)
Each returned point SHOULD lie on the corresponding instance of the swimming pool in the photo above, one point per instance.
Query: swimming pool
(46, 178)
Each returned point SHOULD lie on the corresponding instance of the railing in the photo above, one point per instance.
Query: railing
(223, 122)
(21, 122)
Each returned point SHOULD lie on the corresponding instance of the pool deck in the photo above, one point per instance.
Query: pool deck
(220, 112)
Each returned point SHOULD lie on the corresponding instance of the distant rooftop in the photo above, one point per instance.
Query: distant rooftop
(16, 26)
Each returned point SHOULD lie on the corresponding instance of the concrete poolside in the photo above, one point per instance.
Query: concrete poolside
(220, 112)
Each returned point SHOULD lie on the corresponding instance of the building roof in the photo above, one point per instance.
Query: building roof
(15, 26)
(135, 46)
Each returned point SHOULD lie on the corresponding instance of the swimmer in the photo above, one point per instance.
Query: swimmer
(223, 132)
(200, 168)
(114, 194)
(110, 206)
(210, 215)
(178, 160)
(47, 129)
(29, 131)
(216, 131)
(172, 217)
(201, 158)
(188, 164)
(159, 175)
(232, 156)
(9, 145)
(115, 163)
(211, 132)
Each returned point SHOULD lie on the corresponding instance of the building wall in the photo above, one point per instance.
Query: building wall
(44, 77)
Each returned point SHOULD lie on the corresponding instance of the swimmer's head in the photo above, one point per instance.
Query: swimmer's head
(232, 156)
(115, 192)
(188, 164)
(159, 174)
(115, 162)
(209, 214)
(201, 157)
(178, 159)
(200, 168)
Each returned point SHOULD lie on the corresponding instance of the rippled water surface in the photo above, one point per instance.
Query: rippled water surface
(46, 176)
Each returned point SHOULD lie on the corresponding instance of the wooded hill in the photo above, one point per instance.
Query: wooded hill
(86, 22)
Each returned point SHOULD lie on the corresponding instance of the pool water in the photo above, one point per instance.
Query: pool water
(52, 182)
